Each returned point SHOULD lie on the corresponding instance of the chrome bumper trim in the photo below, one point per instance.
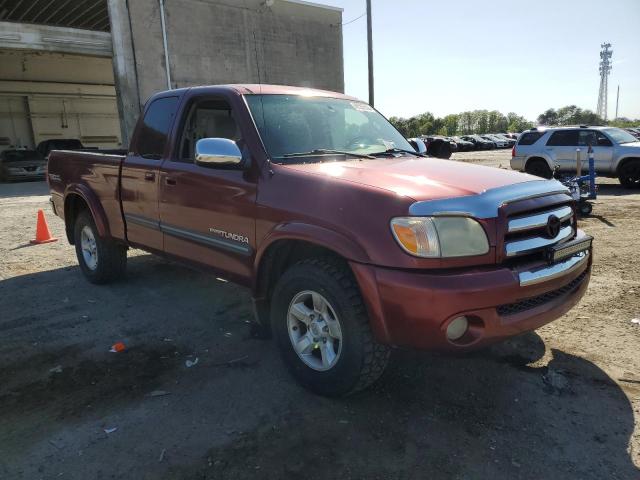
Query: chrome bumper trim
(522, 247)
(544, 274)
(539, 220)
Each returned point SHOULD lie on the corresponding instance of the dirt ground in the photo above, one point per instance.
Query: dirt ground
(563, 402)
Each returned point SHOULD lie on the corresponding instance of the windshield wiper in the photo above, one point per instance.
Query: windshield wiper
(323, 151)
(391, 151)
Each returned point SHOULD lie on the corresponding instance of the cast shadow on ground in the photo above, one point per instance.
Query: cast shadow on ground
(493, 414)
(23, 189)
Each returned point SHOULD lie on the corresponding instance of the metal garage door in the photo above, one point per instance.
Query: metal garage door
(15, 128)
(93, 120)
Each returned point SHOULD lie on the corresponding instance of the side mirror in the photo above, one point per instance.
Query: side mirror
(604, 142)
(418, 145)
(211, 152)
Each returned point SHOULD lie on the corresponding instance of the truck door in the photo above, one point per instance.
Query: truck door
(207, 214)
(561, 148)
(602, 150)
(140, 179)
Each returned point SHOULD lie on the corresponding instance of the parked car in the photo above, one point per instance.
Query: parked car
(342, 234)
(510, 141)
(440, 147)
(46, 146)
(479, 142)
(22, 165)
(463, 145)
(499, 142)
(634, 131)
(540, 151)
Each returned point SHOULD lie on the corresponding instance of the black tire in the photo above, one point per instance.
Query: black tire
(111, 256)
(585, 209)
(539, 168)
(361, 360)
(629, 173)
(444, 151)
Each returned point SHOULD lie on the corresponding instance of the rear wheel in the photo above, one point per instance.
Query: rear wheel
(320, 324)
(101, 260)
(539, 168)
(629, 173)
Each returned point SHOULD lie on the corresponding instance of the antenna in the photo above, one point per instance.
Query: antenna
(605, 69)
(264, 122)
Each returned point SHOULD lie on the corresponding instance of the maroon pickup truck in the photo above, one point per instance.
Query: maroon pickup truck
(350, 240)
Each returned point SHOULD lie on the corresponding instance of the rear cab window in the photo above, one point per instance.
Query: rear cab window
(152, 137)
(529, 138)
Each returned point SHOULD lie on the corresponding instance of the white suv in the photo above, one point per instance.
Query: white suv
(540, 151)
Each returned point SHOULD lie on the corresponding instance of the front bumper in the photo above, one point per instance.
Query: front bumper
(414, 308)
(517, 163)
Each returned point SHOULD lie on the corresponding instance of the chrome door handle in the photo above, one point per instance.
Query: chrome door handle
(149, 176)
(170, 181)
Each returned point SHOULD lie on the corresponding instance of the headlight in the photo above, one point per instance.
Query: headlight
(439, 237)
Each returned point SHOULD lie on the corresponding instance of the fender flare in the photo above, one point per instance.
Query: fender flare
(550, 163)
(95, 207)
(344, 246)
(620, 161)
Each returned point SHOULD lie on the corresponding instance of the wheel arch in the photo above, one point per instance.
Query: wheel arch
(538, 157)
(78, 198)
(288, 244)
(622, 161)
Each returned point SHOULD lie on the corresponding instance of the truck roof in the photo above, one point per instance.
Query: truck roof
(267, 89)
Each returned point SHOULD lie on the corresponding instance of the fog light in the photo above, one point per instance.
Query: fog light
(457, 328)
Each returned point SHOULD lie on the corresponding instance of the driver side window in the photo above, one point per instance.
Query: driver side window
(211, 118)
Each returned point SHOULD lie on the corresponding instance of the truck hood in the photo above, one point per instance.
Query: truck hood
(417, 177)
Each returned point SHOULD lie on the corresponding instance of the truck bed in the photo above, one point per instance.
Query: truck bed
(93, 176)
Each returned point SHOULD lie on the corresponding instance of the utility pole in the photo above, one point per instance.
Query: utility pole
(617, 100)
(370, 51)
(605, 69)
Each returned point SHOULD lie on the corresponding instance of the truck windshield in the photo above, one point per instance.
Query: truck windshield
(291, 125)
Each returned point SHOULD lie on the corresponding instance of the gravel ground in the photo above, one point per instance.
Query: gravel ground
(563, 402)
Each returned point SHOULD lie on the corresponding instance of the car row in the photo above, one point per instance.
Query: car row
(635, 131)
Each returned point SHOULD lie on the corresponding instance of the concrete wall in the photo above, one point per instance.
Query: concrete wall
(227, 41)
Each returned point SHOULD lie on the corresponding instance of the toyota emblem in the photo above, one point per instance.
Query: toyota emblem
(553, 226)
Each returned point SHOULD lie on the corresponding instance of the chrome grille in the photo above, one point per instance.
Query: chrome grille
(526, 234)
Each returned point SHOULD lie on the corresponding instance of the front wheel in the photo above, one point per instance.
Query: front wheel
(320, 324)
(101, 260)
(629, 174)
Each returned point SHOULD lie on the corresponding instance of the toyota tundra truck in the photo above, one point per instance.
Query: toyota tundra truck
(351, 241)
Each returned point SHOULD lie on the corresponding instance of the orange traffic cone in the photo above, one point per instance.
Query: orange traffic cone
(43, 235)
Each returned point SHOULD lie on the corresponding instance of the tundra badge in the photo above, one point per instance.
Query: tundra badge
(231, 236)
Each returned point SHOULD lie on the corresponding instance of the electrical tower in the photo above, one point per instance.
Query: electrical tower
(605, 69)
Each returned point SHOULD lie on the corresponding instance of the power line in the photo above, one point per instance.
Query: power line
(357, 18)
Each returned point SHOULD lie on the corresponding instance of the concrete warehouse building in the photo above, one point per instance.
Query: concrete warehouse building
(84, 68)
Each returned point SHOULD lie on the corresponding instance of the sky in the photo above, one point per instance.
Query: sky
(512, 56)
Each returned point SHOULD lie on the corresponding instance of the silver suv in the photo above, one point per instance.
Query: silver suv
(540, 151)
